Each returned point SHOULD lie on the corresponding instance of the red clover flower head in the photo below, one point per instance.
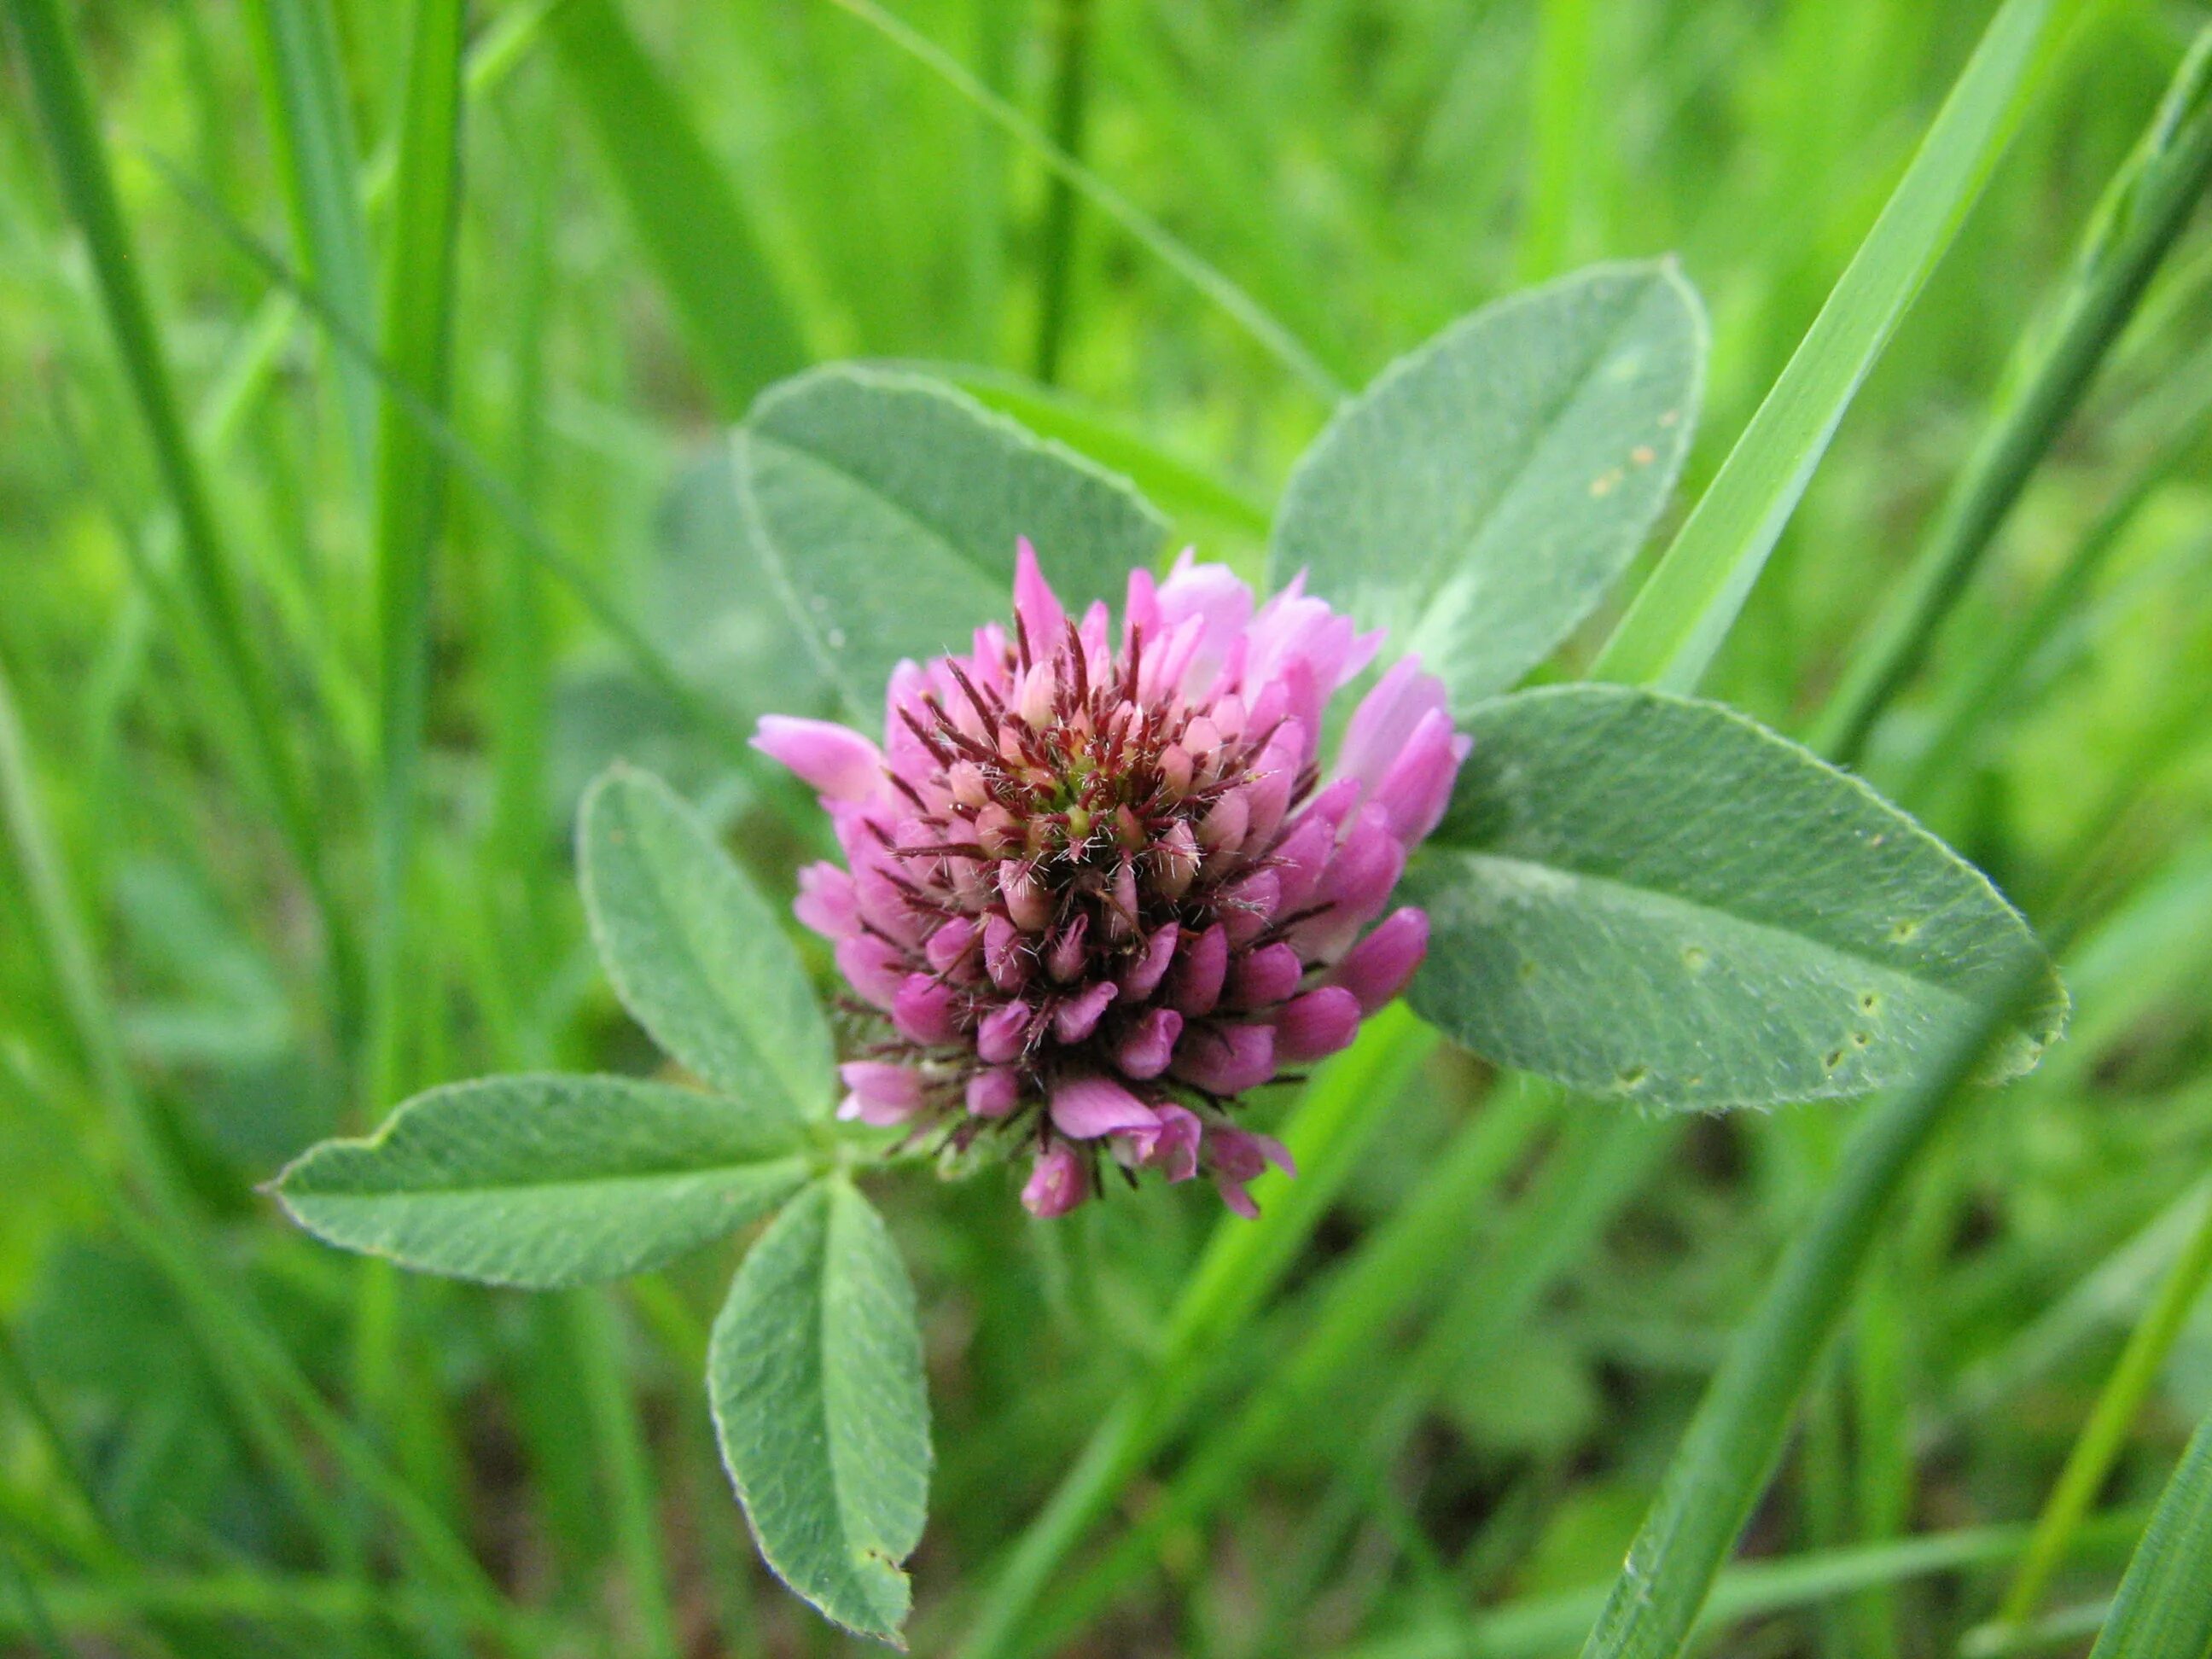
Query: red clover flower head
(1097, 894)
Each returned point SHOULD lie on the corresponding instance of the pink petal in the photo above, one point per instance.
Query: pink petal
(1142, 975)
(1234, 1195)
(1006, 956)
(925, 1010)
(1226, 1059)
(1386, 719)
(1301, 858)
(1315, 1025)
(826, 902)
(1174, 1152)
(1004, 1033)
(1358, 882)
(1150, 1045)
(1079, 1017)
(837, 760)
(1268, 974)
(871, 967)
(1416, 789)
(1375, 970)
(994, 1091)
(1035, 604)
(950, 943)
(1056, 1183)
(880, 1095)
(1085, 1107)
(1194, 982)
(1244, 1155)
(1248, 904)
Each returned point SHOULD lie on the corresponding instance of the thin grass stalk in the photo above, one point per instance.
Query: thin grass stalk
(1683, 612)
(1362, 1301)
(1345, 1104)
(2136, 224)
(595, 1345)
(1601, 1162)
(81, 166)
(37, 1624)
(1882, 1474)
(2164, 1603)
(67, 945)
(295, 51)
(693, 225)
(264, 1381)
(516, 620)
(1149, 232)
(1540, 1627)
(503, 46)
(1734, 1440)
(418, 292)
(513, 512)
(2110, 1420)
(1560, 148)
(2000, 664)
(1071, 87)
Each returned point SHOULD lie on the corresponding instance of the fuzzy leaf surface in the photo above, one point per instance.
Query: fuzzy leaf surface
(549, 1180)
(815, 1377)
(1481, 497)
(1658, 899)
(696, 954)
(888, 505)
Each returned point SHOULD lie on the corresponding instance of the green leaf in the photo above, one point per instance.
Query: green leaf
(1479, 497)
(545, 1181)
(691, 223)
(815, 1376)
(1658, 899)
(695, 953)
(888, 506)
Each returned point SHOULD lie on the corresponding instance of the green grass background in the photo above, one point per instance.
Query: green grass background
(294, 712)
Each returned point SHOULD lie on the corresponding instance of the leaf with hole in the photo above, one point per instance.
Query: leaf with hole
(1658, 899)
(694, 952)
(1481, 497)
(815, 1377)
(549, 1180)
(888, 505)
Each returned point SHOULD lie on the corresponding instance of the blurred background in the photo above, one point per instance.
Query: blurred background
(221, 526)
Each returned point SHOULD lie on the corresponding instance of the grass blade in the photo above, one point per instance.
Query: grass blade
(81, 166)
(1155, 237)
(2143, 214)
(418, 290)
(2106, 1433)
(295, 49)
(1736, 1436)
(512, 512)
(1540, 1627)
(689, 217)
(1345, 1105)
(2164, 1603)
(1071, 82)
(1681, 615)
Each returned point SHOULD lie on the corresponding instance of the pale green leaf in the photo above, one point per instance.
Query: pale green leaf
(1654, 898)
(815, 1376)
(544, 1181)
(695, 953)
(888, 506)
(1481, 497)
